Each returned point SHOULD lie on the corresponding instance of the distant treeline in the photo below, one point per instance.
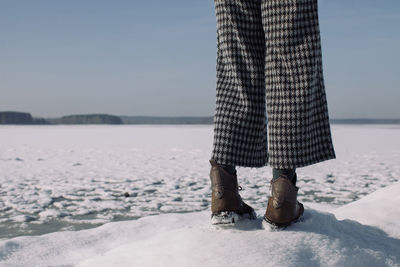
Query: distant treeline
(166, 120)
(365, 121)
(12, 117)
(87, 119)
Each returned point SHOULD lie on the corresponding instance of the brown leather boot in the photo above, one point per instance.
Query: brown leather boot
(226, 204)
(283, 207)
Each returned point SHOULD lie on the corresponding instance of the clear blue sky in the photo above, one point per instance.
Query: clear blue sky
(158, 57)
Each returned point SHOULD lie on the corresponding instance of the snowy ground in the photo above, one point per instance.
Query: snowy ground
(189, 240)
(57, 178)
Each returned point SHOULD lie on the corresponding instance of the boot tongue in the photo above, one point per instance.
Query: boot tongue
(228, 180)
(224, 179)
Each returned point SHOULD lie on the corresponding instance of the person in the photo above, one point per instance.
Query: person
(271, 106)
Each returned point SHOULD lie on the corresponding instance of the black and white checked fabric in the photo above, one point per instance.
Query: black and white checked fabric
(269, 64)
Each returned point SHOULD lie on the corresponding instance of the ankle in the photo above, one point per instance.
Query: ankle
(289, 174)
(229, 168)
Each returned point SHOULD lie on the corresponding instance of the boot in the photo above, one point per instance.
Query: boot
(226, 204)
(283, 207)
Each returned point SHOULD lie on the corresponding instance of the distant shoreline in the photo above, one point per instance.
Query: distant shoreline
(23, 118)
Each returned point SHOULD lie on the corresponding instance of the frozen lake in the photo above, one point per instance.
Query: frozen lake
(55, 178)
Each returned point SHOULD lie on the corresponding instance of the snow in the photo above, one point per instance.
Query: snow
(56, 180)
(76, 177)
(380, 209)
(189, 240)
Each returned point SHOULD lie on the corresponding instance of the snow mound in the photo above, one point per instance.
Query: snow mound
(189, 240)
(380, 208)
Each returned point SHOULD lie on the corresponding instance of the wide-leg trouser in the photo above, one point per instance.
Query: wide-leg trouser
(269, 65)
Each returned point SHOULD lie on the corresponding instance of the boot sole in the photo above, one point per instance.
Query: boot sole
(230, 217)
(225, 218)
(281, 226)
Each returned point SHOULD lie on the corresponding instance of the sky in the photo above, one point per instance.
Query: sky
(157, 57)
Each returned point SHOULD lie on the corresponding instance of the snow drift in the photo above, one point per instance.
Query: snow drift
(366, 235)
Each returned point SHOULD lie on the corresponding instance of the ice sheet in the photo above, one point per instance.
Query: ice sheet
(55, 178)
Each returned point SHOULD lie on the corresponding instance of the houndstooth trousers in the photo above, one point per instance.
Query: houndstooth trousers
(271, 106)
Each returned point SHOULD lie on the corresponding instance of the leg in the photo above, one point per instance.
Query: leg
(239, 120)
(298, 124)
(287, 173)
